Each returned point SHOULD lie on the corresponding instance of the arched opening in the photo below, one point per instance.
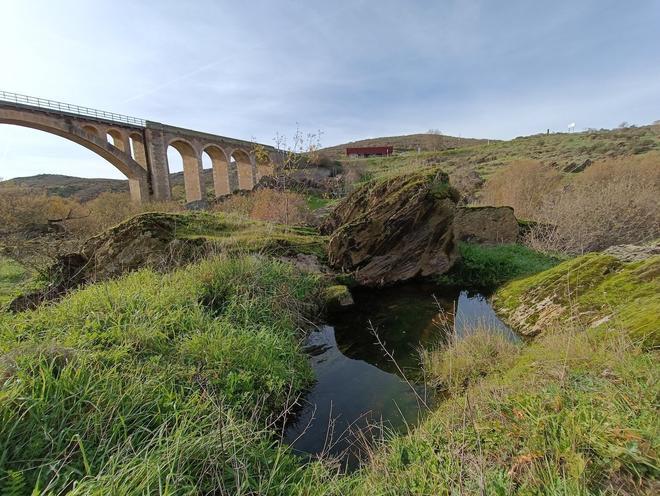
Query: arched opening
(91, 130)
(137, 176)
(241, 160)
(216, 157)
(193, 179)
(116, 139)
(138, 151)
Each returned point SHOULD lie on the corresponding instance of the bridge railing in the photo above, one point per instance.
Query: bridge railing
(43, 103)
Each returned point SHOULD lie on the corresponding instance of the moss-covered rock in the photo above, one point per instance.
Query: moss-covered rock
(395, 230)
(591, 290)
(337, 296)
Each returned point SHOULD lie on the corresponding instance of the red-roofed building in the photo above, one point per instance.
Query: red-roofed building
(369, 151)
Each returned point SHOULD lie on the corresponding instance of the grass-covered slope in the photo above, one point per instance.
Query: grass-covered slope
(573, 412)
(557, 149)
(156, 384)
(13, 277)
(593, 290)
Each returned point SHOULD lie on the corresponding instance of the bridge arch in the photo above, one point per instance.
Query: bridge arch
(243, 163)
(193, 179)
(84, 135)
(220, 166)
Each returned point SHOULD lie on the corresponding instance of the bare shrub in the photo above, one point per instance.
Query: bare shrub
(612, 202)
(467, 181)
(109, 209)
(522, 185)
(284, 207)
(21, 207)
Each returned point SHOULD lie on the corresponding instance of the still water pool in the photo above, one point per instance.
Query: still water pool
(360, 393)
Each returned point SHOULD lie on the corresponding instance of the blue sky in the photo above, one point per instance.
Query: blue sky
(352, 69)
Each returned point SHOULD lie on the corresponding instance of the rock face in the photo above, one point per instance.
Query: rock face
(395, 230)
(486, 225)
(147, 240)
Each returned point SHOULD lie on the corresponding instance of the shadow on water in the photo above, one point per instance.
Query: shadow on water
(359, 393)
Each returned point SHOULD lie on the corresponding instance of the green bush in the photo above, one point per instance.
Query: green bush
(483, 266)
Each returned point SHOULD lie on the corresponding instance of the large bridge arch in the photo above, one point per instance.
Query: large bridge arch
(84, 136)
(245, 165)
(220, 164)
(193, 178)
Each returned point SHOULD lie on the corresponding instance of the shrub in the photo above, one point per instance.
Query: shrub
(21, 207)
(612, 202)
(283, 207)
(522, 185)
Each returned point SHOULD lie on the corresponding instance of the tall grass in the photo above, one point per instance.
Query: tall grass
(157, 384)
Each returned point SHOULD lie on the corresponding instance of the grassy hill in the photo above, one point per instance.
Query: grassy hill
(411, 142)
(562, 150)
(85, 189)
(80, 188)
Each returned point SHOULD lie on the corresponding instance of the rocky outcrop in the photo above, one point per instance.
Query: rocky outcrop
(634, 253)
(395, 230)
(486, 225)
(147, 240)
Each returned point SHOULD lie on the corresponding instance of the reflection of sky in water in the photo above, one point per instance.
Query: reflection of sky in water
(475, 312)
(356, 382)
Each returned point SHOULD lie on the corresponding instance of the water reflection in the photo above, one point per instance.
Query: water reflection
(357, 384)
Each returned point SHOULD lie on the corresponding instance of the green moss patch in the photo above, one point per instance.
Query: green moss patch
(595, 289)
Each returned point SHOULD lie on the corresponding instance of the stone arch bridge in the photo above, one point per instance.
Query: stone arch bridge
(138, 148)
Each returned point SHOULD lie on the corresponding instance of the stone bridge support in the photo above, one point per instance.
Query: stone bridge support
(138, 148)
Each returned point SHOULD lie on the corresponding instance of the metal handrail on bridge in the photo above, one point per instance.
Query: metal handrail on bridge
(43, 103)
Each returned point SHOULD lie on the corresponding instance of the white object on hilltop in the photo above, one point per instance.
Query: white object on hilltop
(571, 127)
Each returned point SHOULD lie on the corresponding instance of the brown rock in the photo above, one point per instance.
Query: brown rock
(395, 230)
(147, 240)
(486, 225)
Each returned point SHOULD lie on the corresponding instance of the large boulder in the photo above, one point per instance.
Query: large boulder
(486, 225)
(147, 240)
(395, 230)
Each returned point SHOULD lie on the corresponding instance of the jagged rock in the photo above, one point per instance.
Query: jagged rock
(634, 253)
(395, 230)
(147, 240)
(574, 168)
(486, 225)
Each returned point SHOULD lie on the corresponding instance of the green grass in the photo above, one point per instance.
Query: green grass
(13, 278)
(156, 383)
(489, 266)
(560, 149)
(316, 202)
(572, 412)
(172, 383)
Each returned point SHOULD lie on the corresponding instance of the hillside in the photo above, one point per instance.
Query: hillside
(80, 188)
(85, 189)
(569, 152)
(411, 142)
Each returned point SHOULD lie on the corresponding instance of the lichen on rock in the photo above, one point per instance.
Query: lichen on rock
(395, 230)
